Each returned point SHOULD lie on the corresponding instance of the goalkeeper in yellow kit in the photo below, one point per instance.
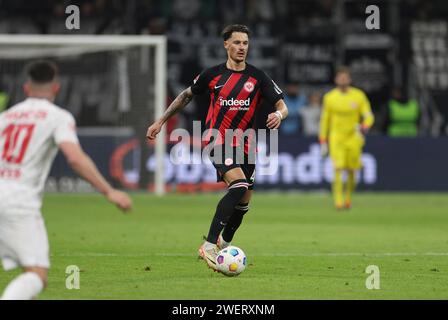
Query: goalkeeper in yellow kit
(346, 118)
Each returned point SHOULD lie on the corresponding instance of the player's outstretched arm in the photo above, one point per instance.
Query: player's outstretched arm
(180, 102)
(84, 166)
(275, 118)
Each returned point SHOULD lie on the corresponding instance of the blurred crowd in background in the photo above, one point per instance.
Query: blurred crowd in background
(403, 66)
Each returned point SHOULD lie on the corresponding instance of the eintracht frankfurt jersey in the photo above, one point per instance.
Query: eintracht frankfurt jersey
(29, 135)
(235, 96)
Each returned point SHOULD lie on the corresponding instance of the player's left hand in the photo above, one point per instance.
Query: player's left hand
(273, 121)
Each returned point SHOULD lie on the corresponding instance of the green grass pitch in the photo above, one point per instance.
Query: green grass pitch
(297, 246)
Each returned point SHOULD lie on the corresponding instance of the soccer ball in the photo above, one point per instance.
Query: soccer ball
(231, 261)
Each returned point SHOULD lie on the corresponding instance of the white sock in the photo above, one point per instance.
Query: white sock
(209, 245)
(24, 287)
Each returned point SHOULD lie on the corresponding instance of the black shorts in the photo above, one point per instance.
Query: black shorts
(227, 162)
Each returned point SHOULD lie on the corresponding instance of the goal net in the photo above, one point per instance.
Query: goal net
(115, 86)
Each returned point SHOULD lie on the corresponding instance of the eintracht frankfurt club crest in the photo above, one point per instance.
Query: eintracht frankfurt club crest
(249, 86)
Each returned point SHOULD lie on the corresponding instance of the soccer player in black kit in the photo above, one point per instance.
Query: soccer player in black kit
(236, 91)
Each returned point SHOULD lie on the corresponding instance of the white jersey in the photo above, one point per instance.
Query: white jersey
(30, 133)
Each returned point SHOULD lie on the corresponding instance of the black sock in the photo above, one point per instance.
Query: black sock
(235, 221)
(225, 208)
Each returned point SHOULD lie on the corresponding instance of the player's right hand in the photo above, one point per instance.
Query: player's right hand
(323, 149)
(120, 199)
(153, 130)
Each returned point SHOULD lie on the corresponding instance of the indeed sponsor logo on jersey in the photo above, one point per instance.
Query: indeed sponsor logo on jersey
(233, 102)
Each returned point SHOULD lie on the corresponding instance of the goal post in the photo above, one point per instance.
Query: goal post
(29, 47)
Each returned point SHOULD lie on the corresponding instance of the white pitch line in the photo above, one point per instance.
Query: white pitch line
(293, 254)
(322, 254)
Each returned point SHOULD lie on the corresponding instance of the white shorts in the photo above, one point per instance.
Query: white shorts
(23, 241)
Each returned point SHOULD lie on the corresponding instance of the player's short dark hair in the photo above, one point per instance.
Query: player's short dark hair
(227, 32)
(42, 71)
(342, 69)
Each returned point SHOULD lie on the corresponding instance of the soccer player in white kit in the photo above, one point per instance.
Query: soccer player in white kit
(31, 132)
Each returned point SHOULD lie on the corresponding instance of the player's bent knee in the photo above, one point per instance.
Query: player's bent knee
(41, 272)
(238, 187)
(247, 196)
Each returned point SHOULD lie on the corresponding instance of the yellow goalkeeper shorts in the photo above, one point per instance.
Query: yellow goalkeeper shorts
(345, 152)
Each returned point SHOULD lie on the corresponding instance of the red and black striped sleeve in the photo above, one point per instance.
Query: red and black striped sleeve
(201, 82)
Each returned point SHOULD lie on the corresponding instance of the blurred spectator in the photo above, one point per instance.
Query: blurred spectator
(402, 115)
(425, 10)
(186, 9)
(295, 100)
(155, 26)
(260, 10)
(237, 13)
(310, 115)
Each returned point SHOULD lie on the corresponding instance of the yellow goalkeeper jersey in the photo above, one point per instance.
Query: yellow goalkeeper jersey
(343, 113)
